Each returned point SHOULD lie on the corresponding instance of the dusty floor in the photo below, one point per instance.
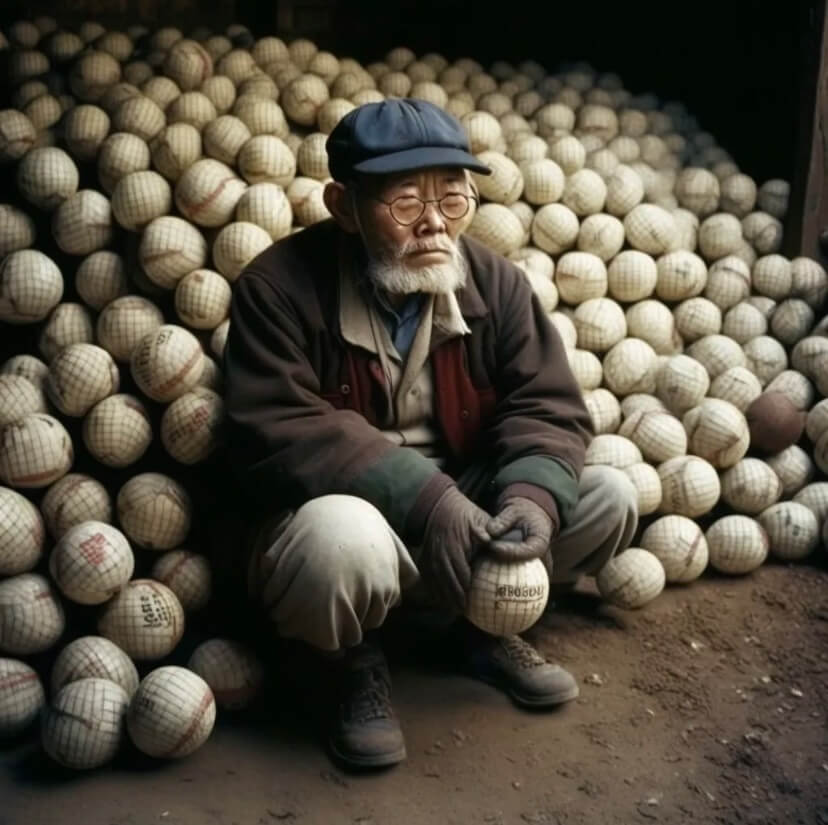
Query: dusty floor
(708, 706)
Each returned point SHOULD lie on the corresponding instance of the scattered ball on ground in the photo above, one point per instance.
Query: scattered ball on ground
(83, 727)
(750, 486)
(679, 544)
(716, 431)
(689, 486)
(793, 530)
(737, 545)
(232, 671)
(172, 713)
(631, 579)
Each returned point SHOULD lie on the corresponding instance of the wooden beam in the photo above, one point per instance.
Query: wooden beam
(807, 219)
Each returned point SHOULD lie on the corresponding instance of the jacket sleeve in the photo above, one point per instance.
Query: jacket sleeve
(286, 442)
(541, 426)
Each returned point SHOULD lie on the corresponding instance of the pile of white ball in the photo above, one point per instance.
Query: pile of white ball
(656, 258)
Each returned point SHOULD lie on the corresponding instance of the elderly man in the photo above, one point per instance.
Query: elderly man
(399, 403)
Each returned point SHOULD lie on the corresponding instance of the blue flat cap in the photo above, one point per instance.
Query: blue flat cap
(398, 135)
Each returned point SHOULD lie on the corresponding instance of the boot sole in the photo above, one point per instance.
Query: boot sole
(378, 760)
(528, 701)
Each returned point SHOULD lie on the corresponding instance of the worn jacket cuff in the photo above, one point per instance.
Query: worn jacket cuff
(543, 498)
(418, 515)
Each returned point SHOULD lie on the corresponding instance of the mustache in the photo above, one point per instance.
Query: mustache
(428, 246)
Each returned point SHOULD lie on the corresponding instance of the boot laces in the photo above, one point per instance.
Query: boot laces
(521, 652)
(368, 697)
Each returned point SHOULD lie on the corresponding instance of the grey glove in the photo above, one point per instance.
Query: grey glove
(455, 532)
(529, 528)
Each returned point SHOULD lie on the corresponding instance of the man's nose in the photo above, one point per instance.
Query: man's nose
(432, 219)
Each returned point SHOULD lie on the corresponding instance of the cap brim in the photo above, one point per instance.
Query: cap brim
(423, 157)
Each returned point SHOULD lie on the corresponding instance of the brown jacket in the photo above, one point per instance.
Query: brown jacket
(301, 403)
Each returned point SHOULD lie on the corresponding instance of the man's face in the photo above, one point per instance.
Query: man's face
(414, 254)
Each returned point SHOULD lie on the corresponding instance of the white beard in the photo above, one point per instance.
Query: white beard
(391, 274)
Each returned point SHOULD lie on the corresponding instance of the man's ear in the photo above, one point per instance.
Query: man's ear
(341, 206)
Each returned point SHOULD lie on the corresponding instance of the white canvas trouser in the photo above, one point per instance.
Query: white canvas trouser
(334, 568)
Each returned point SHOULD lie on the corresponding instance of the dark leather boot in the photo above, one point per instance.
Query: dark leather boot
(366, 733)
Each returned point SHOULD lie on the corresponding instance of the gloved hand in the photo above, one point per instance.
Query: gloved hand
(532, 526)
(455, 531)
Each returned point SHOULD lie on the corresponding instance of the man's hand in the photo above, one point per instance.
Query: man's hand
(455, 531)
(532, 525)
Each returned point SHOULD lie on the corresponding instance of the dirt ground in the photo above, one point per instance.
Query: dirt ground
(708, 706)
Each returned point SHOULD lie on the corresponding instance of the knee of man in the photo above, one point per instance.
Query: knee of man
(617, 492)
(341, 535)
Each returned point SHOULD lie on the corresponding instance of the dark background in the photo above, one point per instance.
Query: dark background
(743, 68)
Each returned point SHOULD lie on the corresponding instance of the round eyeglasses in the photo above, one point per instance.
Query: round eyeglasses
(408, 209)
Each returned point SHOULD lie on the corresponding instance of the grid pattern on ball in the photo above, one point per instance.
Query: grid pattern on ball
(31, 615)
(43, 112)
(658, 435)
(697, 318)
(507, 598)
(18, 397)
(629, 367)
(505, 183)
(765, 357)
(791, 321)
(815, 498)
(117, 94)
(604, 410)
(218, 339)
(631, 276)
(230, 669)
(190, 426)
(224, 137)
(167, 362)
(83, 223)
(736, 544)
(555, 228)
(172, 713)
(154, 511)
(161, 89)
(331, 112)
(68, 324)
(682, 383)
(101, 278)
(79, 376)
(647, 483)
(17, 133)
(794, 467)
(771, 276)
(612, 450)
(679, 544)
(170, 248)
(728, 282)
(651, 229)
(312, 158)
(652, 322)
(84, 726)
(816, 422)
(717, 431)
(175, 149)
(84, 130)
(73, 499)
(717, 353)
(690, 486)
(601, 234)
(262, 117)
(625, 191)
(34, 451)
(193, 108)
(807, 354)
(120, 155)
(743, 322)
(796, 386)
(208, 191)
(220, 90)
(91, 561)
(145, 620)
(737, 385)
(793, 530)
(92, 657)
(31, 284)
(21, 696)
(202, 299)
(580, 276)
(431, 92)
(17, 229)
(139, 197)
(586, 367)
(117, 431)
(22, 533)
(809, 281)
(631, 579)
(719, 235)
(584, 192)
(188, 575)
(681, 275)
(498, 227)
(267, 159)
(125, 322)
(188, 64)
(236, 245)
(750, 486)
